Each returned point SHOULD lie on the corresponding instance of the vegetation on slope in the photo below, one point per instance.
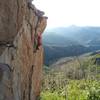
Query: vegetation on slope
(76, 79)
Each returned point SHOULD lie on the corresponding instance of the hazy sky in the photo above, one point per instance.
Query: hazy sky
(70, 12)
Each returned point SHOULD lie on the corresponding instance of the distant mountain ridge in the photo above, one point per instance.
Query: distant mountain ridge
(80, 34)
(70, 41)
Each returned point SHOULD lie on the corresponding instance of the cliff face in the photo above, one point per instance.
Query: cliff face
(20, 66)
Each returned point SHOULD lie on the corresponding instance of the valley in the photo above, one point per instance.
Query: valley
(69, 41)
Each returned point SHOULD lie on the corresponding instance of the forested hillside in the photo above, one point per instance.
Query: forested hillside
(70, 41)
(73, 78)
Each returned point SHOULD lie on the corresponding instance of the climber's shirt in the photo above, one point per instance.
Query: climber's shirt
(39, 40)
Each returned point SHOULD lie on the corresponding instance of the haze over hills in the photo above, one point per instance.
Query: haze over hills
(70, 41)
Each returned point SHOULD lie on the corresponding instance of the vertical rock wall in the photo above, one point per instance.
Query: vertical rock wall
(20, 78)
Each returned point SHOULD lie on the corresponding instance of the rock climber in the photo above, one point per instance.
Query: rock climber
(39, 39)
